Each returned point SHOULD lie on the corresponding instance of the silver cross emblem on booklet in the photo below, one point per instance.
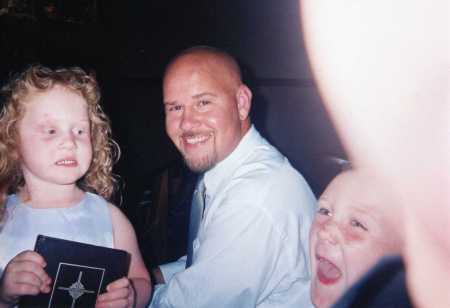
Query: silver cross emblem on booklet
(76, 290)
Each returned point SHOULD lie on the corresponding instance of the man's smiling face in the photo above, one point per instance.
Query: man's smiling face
(203, 116)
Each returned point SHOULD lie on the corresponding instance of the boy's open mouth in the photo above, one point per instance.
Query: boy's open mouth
(327, 272)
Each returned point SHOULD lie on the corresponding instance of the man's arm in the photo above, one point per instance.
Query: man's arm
(238, 261)
(165, 272)
(157, 276)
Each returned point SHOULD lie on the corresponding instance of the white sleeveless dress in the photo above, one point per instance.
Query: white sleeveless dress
(89, 222)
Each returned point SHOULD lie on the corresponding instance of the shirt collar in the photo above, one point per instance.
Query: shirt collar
(225, 168)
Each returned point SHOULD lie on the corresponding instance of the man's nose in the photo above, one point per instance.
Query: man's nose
(189, 119)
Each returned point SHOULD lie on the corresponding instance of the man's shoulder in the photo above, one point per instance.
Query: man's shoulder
(261, 157)
(269, 175)
(264, 178)
(266, 166)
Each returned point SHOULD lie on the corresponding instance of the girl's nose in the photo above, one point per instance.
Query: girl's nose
(68, 141)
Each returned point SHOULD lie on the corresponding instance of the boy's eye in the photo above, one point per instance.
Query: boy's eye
(355, 223)
(324, 211)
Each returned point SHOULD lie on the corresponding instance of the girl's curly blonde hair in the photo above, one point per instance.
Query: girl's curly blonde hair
(37, 79)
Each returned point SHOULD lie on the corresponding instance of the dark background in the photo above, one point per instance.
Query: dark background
(128, 44)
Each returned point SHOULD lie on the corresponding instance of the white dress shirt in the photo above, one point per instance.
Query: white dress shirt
(252, 246)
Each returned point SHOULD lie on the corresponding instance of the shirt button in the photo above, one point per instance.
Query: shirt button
(196, 244)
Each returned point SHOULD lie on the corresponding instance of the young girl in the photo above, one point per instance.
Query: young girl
(56, 157)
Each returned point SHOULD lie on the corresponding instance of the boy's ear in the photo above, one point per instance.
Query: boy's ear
(244, 101)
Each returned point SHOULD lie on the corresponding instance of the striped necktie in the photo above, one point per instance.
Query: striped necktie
(197, 208)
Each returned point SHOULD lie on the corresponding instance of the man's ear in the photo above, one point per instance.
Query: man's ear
(244, 101)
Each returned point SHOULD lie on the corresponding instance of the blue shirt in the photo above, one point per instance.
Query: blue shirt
(88, 221)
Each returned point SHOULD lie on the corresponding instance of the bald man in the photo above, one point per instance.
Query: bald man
(251, 246)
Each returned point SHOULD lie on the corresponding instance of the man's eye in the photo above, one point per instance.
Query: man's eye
(324, 211)
(355, 223)
(204, 103)
(174, 108)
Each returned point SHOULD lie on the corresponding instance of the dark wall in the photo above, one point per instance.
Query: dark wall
(265, 37)
(128, 46)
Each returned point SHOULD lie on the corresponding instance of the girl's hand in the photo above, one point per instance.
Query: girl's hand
(120, 293)
(24, 275)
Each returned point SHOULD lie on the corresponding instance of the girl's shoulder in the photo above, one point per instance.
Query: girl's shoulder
(12, 202)
(12, 199)
(7, 209)
(94, 199)
(114, 211)
(97, 205)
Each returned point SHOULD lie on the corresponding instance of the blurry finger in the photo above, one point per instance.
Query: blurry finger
(121, 293)
(32, 256)
(119, 283)
(30, 267)
(29, 278)
(120, 303)
(26, 289)
(131, 296)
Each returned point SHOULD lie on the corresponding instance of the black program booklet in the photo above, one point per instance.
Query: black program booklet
(80, 272)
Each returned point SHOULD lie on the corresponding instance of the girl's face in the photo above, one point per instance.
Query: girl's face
(54, 138)
(350, 232)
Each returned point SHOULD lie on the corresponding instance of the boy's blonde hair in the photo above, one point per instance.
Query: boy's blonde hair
(37, 79)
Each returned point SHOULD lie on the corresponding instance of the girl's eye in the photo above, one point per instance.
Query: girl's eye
(51, 131)
(79, 131)
(355, 223)
(324, 211)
